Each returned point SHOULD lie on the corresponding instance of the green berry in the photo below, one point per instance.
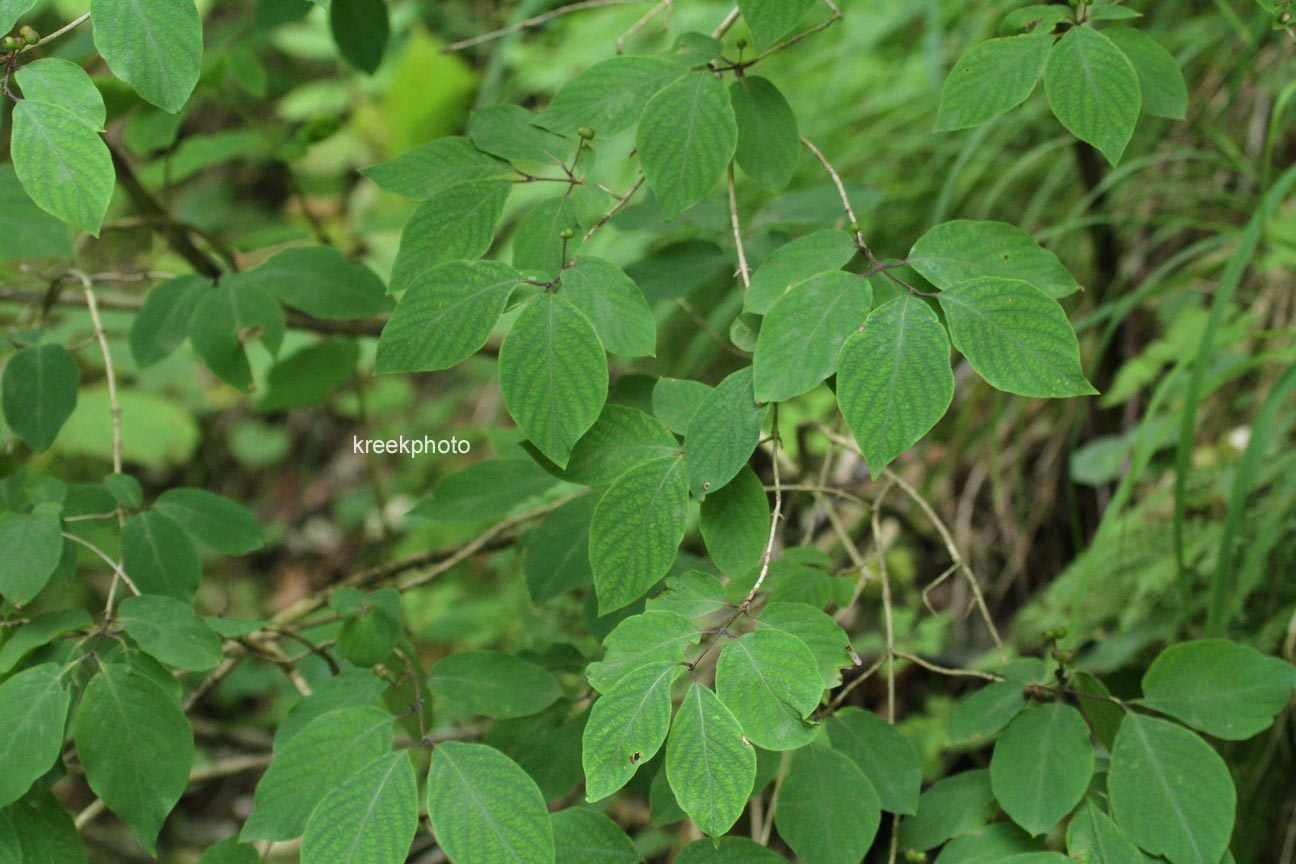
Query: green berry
(585, 133)
(566, 233)
(29, 35)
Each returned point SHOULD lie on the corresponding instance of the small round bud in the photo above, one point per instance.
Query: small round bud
(29, 34)
(854, 227)
(1064, 656)
(585, 133)
(566, 233)
(742, 43)
(9, 43)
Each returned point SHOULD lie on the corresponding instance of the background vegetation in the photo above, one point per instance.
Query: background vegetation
(1089, 533)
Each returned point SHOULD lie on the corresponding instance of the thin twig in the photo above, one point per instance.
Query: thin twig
(616, 208)
(66, 28)
(641, 23)
(774, 518)
(845, 199)
(531, 23)
(729, 21)
(743, 270)
(116, 569)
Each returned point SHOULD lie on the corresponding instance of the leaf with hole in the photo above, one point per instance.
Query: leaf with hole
(709, 765)
(626, 727)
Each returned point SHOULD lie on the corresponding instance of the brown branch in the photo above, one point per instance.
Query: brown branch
(175, 234)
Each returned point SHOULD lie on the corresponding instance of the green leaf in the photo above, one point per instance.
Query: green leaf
(710, 766)
(622, 438)
(39, 393)
(991, 78)
(439, 164)
(159, 556)
(212, 520)
(1161, 82)
(370, 626)
(554, 375)
(886, 757)
(230, 852)
(589, 837)
(485, 809)
(894, 380)
(1092, 836)
(637, 528)
(989, 844)
(350, 688)
(170, 632)
(33, 544)
(827, 811)
(447, 317)
(614, 304)
(981, 716)
(537, 240)
(686, 137)
(310, 376)
(45, 831)
(609, 96)
(796, 262)
(1016, 336)
(768, 141)
(484, 491)
(557, 551)
(735, 523)
(771, 20)
(821, 634)
(627, 727)
(162, 324)
(307, 766)
(656, 636)
(27, 231)
(771, 683)
(964, 249)
(676, 400)
(320, 282)
(727, 850)
(155, 46)
(1094, 90)
(803, 332)
(1042, 765)
(952, 806)
(510, 132)
(453, 224)
(723, 433)
(140, 776)
(11, 11)
(230, 315)
(493, 684)
(370, 819)
(35, 705)
(57, 153)
(1170, 791)
(1219, 687)
(360, 30)
(40, 630)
